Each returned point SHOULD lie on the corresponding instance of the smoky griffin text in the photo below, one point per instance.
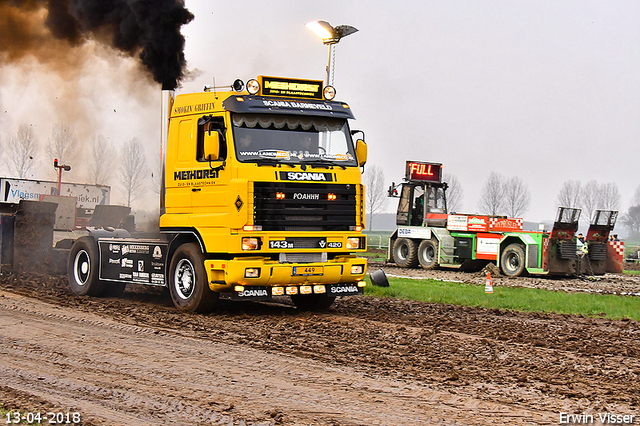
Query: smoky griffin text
(599, 418)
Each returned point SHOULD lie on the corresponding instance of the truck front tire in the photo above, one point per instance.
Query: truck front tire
(188, 283)
(405, 253)
(82, 269)
(428, 254)
(512, 260)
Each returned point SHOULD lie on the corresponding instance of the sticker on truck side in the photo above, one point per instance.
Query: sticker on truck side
(133, 261)
(415, 232)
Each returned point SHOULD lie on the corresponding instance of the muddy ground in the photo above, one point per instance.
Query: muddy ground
(135, 360)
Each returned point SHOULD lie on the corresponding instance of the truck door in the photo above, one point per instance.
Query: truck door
(210, 193)
(411, 205)
(436, 206)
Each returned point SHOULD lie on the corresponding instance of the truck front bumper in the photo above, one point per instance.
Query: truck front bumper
(225, 275)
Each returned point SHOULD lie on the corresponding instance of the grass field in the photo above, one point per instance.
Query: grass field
(512, 298)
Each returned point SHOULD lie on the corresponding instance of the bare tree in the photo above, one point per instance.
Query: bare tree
(133, 169)
(102, 160)
(609, 196)
(22, 150)
(454, 193)
(376, 194)
(63, 144)
(590, 199)
(517, 197)
(635, 201)
(632, 220)
(492, 197)
(156, 177)
(570, 194)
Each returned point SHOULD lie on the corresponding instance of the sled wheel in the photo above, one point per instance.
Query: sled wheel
(405, 253)
(512, 260)
(82, 269)
(188, 284)
(428, 254)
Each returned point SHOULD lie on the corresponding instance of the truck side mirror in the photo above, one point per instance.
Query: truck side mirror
(392, 190)
(361, 152)
(211, 145)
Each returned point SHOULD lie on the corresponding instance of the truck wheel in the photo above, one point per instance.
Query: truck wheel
(312, 302)
(428, 254)
(512, 260)
(82, 269)
(188, 284)
(405, 253)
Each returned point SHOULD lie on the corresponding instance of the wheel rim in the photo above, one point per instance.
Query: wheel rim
(513, 262)
(81, 267)
(429, 254)
(403, 251)
(184, 279)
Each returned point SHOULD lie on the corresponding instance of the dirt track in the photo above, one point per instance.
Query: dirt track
(135, 360)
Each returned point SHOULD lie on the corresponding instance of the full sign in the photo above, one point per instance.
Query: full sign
(425, 172)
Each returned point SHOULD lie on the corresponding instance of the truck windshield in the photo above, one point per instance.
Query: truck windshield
(293, 139)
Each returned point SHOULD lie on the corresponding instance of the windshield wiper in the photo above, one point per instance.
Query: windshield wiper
(319, 162)
(272, 162)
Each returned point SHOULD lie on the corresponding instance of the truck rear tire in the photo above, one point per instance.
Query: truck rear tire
(313, 302)
(82, 268)
(188, 283)
(512, 260)
(405, 253)
(428, 254)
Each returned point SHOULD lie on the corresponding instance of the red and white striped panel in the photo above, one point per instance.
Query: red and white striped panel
(615, 257)
(618, 246)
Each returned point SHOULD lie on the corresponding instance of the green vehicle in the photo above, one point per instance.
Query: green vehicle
(427, 235)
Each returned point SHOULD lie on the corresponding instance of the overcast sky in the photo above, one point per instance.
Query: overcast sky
(545, 90)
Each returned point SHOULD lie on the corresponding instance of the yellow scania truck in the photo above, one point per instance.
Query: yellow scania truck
(261, 197)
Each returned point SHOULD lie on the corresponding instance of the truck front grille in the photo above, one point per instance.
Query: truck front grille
(280, 206)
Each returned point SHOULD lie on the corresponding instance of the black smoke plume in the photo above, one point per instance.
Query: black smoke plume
(147, 28)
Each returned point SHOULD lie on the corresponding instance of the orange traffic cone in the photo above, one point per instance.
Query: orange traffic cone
(488, 288)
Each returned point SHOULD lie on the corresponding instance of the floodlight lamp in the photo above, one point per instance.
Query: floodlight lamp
(322, 29)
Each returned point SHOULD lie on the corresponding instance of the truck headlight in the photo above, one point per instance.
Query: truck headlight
(250, 243)
(357, 269)
(252, 272)
(329, 92)
(319, 289)
(253, 86)
(353, 243)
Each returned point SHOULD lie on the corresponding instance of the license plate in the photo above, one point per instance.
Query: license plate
(308, 270)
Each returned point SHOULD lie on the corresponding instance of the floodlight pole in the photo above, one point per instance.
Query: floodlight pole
(330, 35)
(329, 63)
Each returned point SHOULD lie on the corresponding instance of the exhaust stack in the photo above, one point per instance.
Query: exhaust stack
(167, 103)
